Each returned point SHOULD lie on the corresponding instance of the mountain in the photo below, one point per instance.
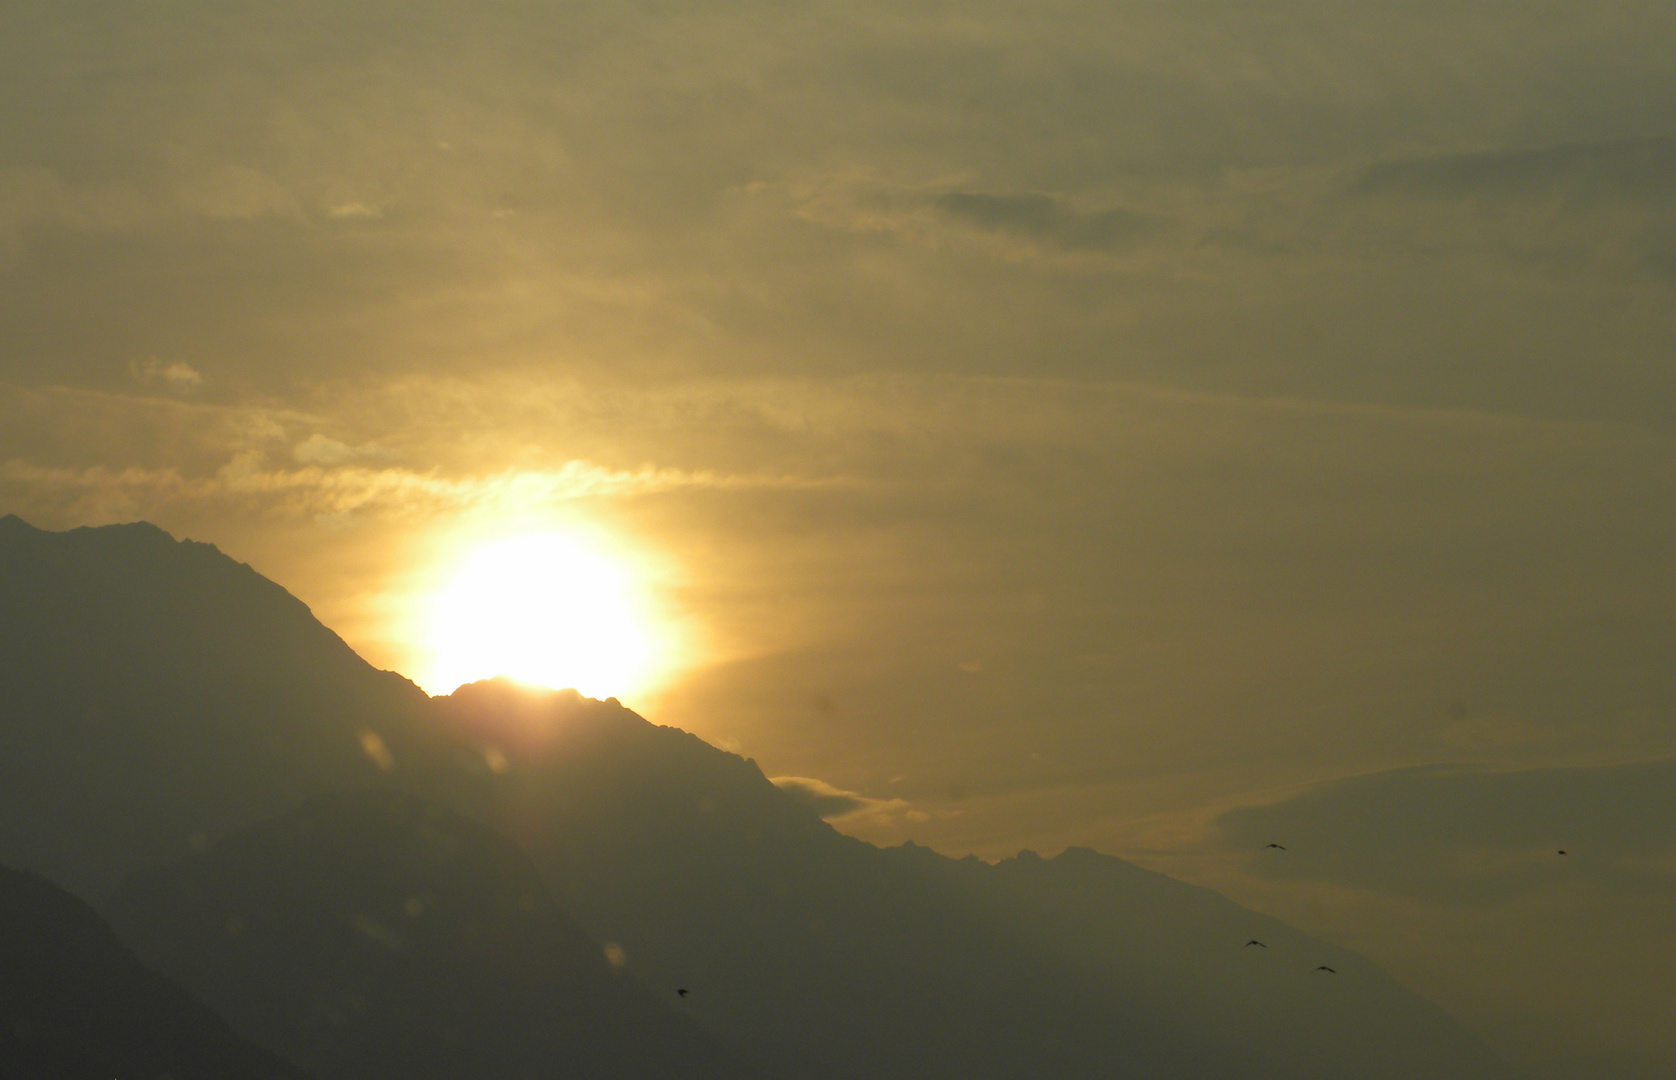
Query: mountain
(835, 960)
(155, 693)
(76, 1005)
(1246, 1008)
(378, 936)
(165, 683)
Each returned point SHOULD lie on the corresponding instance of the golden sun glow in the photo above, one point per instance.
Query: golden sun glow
(544, 608)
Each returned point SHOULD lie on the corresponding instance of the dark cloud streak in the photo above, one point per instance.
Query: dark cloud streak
(1474, 835)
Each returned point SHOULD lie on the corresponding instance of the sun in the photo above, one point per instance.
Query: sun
(543, 608)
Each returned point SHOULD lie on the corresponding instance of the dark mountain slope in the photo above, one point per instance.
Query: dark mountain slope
(816, 954)
(154, 693)
(1187, 946)
(839, 960)
(76, 1005)
(376, 936)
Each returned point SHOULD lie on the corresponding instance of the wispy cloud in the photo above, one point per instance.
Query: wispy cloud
(835, 803)
(1012, 224)
(178, 376)
(36, 197)
(352, 489)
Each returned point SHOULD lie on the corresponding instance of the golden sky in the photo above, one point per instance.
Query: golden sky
(1136, 424)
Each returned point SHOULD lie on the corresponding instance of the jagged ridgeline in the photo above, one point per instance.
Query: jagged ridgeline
(159, 699)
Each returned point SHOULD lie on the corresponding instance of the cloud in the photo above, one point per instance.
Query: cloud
(1241, 383)
(1580, 207)
(1011, 224)
(1051, 220)
(1602, 209)
(1470, 834)
(178, 376)
(836, 804)
(1640, 170)
(237, 192)
(34, 197)
(320, 490)
(1583, 206)
(317, 449)
(353, 210)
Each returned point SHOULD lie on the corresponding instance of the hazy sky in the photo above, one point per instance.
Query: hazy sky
(1137, 424)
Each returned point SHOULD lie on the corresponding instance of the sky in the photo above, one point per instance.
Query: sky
(1165, 427)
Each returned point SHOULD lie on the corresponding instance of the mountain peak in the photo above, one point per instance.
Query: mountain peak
(518, 716)
(13, 526)
(132, 664)
(503, 691)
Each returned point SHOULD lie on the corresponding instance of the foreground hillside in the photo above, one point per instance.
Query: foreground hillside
(76, 1005)
(378, 936)
(162, 683)
(832, 958)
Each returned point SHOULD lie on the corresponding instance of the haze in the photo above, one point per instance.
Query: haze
(1163, 427)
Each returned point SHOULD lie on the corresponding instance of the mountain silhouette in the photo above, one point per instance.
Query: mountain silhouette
(75, 1004)
(811, 954)
(155, 694)
(833, 959)
(378, 936)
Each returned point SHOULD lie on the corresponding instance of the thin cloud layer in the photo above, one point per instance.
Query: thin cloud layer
(1476, 835)
(1064, 417)
(316, 490)
(836, 804)
(1132, 191)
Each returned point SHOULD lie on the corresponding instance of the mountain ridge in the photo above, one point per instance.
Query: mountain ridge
(817, 955)
(157, 693)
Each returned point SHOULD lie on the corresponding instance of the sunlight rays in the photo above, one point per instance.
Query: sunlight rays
(547, 608)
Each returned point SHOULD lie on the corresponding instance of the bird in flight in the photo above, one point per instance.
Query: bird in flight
(683, 991)
(1327, 969)
(1255, 942)
(1562, 851)
(1278, 847)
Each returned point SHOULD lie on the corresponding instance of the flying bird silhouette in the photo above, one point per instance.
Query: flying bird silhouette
(1327, 969)
(1562, 851)
(681, 990)
(1281, 847)
(1255, 942)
